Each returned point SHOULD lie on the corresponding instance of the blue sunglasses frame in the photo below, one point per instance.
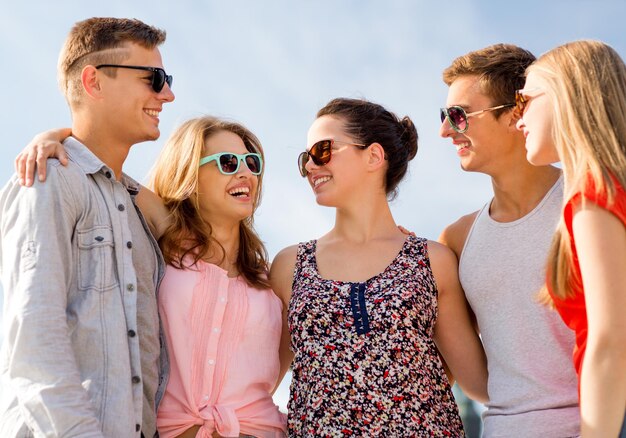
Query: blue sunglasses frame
(240, 158)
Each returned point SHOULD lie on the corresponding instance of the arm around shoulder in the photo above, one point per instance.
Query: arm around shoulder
(154, 210)
(42, 146)
(281, 279)
(455, 335)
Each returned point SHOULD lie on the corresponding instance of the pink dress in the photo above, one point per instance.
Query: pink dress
(222, 338)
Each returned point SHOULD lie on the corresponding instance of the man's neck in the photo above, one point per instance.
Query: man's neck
(519, 191)
(104, 145)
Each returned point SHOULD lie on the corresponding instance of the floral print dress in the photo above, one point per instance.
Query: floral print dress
(365, 360)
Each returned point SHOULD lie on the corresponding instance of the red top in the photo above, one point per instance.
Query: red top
(572, 310)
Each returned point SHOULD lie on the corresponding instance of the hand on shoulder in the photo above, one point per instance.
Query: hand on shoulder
(41, 147)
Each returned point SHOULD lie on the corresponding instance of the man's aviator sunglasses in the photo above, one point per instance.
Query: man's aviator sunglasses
(228, 163)
(458, 118)
(159, 77)
(321, 153)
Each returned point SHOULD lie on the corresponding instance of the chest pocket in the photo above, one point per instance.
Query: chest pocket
(96, 259)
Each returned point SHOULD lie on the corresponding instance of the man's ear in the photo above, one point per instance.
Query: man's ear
(376, 156)
(514, 116)
(91, 81)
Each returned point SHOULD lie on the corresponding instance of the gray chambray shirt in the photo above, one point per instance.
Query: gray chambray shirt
(71, 361)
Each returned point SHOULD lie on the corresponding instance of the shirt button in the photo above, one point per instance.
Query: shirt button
(136, 379)
(211, 362)
(121, 207)
(108, 174)
(223, 299)
(137, 427)
(216, 329)
(206, 397)
(130, 287)
(132, 333)
(129, 244)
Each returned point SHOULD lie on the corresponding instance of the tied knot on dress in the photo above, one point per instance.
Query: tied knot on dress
(218, 418)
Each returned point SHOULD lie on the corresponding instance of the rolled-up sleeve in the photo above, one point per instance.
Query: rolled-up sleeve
(37, 228)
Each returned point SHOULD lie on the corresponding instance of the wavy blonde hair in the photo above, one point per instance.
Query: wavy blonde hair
(586, 85)
(174, 178)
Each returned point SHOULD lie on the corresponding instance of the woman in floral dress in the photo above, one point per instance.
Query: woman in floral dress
(370, 308)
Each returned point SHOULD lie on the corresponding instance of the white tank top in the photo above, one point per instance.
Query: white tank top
(532, 383)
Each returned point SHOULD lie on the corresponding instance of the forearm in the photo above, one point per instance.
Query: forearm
(603, 389)
(470, 371)
(285, 355)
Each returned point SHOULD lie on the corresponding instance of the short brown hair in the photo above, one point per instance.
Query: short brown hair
(501, 70)
(90, 42)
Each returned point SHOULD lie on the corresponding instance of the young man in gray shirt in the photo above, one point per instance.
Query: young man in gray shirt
(502, 250)
(79, 266)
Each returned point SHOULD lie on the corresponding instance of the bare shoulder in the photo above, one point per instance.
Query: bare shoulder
(441, 256)
(445, 268)
(281, 272)
(455, 234)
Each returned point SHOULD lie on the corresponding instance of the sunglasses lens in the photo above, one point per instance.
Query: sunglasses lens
(302, 160)
(520, 102)
(159, 78)
(457, 118)
(320, 152)
(442, 114)
(229, 163)
(254, 163)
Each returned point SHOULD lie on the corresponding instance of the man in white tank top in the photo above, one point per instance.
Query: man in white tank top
(502, 251)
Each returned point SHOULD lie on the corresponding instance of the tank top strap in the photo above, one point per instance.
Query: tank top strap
(305, 259)
(416, 249)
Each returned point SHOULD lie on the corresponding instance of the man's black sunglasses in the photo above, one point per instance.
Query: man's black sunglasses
(159, 77)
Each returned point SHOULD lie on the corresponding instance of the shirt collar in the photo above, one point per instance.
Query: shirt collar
(82, 156)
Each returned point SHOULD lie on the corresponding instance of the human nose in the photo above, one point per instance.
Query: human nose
(243, 170)
(166, 94)
(445, 130)
(520, 125)
(310, 164)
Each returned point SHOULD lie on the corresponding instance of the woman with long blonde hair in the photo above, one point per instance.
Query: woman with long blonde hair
(221, 319)
(573, 109)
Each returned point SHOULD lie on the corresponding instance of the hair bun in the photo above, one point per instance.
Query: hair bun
(409, 137)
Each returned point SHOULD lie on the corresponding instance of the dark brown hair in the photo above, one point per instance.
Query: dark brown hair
(368, 123)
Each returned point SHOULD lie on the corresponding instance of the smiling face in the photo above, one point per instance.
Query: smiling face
(537, 122)
(343, 172)
(487, 138)
(130, 107)
(222, 197)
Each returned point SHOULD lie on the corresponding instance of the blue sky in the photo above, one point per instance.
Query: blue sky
(272, 64)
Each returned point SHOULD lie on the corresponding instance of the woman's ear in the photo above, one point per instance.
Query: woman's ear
(376, 156)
